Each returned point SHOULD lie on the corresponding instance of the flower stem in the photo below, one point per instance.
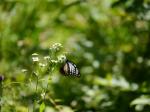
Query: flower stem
(1, 92)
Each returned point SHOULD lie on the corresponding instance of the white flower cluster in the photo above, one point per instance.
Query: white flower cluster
(56, 47)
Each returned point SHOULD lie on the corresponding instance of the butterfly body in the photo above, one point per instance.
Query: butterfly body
(70, 69)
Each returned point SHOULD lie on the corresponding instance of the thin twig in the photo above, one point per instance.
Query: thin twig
(37, 81)
(54, 104)
(1, 92)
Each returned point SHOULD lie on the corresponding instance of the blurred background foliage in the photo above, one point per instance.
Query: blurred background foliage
(109, 40)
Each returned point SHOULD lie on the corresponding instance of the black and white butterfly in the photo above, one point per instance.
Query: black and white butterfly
(70, 69)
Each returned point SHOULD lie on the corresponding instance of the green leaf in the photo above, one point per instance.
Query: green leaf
(143, 100)
(42, 107)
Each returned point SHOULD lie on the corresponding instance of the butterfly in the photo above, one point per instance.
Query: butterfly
(70, 69)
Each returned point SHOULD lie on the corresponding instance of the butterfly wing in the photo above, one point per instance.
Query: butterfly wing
(69, 68)
(73, 70)
(64, 69)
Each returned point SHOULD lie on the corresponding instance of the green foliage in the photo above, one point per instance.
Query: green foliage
(108, 40)
(42, 107)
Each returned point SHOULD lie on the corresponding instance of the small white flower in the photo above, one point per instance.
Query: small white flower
(24, 70)
(61, 58)
(35, 54)
(54, 61)
(35, 59)
(42, 64)
(43, 95)
(47, 58)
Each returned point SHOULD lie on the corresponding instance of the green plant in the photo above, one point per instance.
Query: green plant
(43, 69)
(37, 79)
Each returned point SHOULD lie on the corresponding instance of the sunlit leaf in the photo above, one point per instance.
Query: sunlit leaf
(42, 107)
